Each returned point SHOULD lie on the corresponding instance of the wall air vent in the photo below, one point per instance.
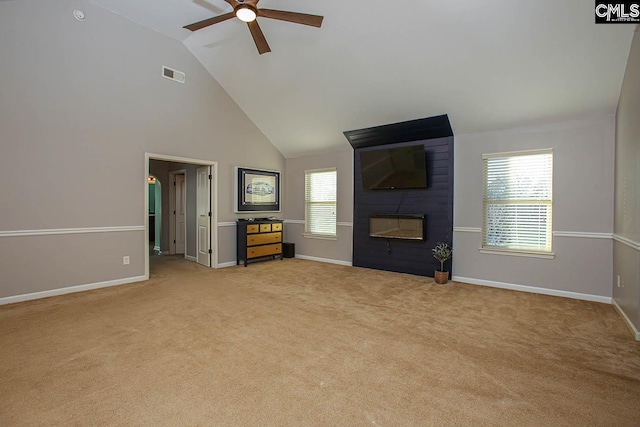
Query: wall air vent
(172, 74)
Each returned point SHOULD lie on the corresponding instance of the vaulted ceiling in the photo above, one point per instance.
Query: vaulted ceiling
(490, 64)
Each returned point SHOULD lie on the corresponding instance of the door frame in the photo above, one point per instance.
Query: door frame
(172, 208)
(213, 199)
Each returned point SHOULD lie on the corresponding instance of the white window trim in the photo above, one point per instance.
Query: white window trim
(320, 236)
(530, 254)
(515, 252)
(518, 153)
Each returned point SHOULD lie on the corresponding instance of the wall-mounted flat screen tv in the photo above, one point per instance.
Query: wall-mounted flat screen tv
(394, 168)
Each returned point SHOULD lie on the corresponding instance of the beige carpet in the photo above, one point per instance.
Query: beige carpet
(298, 343)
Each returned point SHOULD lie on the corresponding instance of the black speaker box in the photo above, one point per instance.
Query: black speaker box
(288, 250)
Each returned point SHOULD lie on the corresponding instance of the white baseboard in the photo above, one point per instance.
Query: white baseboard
(191, 258)
(70, 290)
(533, 289)
(330, 261)
(308, 258)
(227, 264)
(628, 321)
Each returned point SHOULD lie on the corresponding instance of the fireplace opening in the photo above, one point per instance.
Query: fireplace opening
(397, 226)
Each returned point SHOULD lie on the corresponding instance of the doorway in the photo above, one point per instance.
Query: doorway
(178, 212)
(192, 229)
(155, 214)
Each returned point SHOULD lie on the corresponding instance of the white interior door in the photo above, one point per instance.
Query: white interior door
(181, 215)
(203, 201)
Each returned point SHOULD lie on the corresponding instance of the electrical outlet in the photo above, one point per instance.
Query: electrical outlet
(126, 260)
(618, 280)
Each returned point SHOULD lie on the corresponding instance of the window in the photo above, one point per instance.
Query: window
(320, 202)
(517, 201)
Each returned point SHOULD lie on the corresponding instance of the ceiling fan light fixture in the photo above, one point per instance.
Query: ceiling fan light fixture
(246, 13)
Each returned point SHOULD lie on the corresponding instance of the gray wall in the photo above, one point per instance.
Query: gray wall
(80, 104)
(583, 185)
(339, 250)
(626, 254)
(582, 216)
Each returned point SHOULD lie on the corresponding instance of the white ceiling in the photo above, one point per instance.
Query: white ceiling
(490, 64)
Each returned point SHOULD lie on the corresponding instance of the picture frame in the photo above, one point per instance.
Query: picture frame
(256, 190)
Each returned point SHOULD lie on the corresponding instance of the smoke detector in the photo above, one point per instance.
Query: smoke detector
(79, 15)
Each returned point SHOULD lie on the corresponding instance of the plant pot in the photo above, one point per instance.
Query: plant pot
(441, 277)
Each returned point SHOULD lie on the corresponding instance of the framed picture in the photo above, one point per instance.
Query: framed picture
(257, 190)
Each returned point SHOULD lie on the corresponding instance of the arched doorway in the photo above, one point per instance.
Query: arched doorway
(155, 215)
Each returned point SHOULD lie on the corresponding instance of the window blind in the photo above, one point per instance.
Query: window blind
(517, 201)
(320, 202)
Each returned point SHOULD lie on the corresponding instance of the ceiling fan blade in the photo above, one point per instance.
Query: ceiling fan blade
(198, 25)
(236, 3)
(295, 17)
(258, 37)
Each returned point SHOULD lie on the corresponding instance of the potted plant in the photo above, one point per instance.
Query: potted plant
(442, 252)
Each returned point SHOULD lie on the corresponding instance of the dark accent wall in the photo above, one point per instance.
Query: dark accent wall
(435, 202)
(412, 130)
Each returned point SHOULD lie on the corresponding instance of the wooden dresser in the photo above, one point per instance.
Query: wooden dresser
(259, 239)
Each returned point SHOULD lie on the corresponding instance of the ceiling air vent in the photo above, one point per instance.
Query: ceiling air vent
(172, 74)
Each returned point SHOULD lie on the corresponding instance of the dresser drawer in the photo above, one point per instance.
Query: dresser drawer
(264, 238)
(266, 250)
(265, 228)
(253, 228)
(276, 227)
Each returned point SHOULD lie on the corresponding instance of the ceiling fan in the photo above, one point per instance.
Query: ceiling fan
(247, 11)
